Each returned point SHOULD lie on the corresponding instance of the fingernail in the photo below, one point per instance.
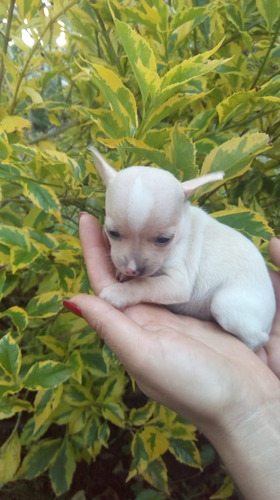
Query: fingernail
(82, 213)
(72, 307)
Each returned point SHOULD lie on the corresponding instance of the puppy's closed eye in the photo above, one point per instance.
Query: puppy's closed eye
(113, 234)
(162, 241)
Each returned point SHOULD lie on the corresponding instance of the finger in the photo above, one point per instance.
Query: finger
(274, 250)
(124, 337)
(100, 271)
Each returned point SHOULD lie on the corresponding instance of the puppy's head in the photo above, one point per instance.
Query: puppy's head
(144, 215)
(143, 212)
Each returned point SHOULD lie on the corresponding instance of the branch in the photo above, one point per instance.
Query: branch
(6, 41)
(33, 50)
(256, 79)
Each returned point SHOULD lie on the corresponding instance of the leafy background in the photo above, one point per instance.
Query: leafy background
(188, 86)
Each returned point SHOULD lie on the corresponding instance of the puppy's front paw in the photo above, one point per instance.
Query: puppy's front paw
(116, 295)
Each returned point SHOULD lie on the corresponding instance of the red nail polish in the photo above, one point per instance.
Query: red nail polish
(72, 307)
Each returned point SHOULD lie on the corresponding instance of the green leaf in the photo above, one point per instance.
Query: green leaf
(76, 365)
(140, 455)
(2, 283)
(109, 122)
(9, 387)
(21, 258)
(156, 444)
(139, 416)
(15, 123)
(234, 157)
(44, 305)
(149, 494)
(269, 10)
(94, 362)
(10, 356)
(11, 406)
(169, 106)
(39, 458)
(42, 196)
(182, 154)
(143, 153)
(225, 491)
(53, 344)
(185, 452)
(45, 374)
(112, 389)
(33, 94)
(141, 58)
(46, 401)
(120, 98)
(9, 458)
(77, 395)
(13, 236)
(187, 70)
(246, 221)
(114, 412)
(197, 14)
(200, 122)
(18, 316)
(241, 104)
(5, 149)
(156, 474)
(63, 468)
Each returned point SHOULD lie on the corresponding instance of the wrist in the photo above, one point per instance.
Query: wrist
(249, 445)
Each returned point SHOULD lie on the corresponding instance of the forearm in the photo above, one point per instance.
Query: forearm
(251, 452)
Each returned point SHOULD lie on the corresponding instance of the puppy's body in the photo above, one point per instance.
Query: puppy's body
(181, 257)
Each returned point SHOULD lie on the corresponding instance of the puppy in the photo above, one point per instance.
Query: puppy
(181, 257)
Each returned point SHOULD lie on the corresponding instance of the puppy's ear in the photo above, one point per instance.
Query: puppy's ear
(105, 170)
(189, 187)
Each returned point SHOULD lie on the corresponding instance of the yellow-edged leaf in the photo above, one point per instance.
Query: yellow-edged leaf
(10, 356)
(18, 316)
(46, 401)
(12, 123)
(46, 374)
(234, 157)
(42, 196)
(120, 98)
(251, 223)
(33, 94)
(225, 491)
(9, 458)
(141, 58)
(63, 468)
(156, 444)
(44, 305)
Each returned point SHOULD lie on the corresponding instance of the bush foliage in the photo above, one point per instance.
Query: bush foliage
(188, 86)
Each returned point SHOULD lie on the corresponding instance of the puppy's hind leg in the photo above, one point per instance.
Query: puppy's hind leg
(242, 313)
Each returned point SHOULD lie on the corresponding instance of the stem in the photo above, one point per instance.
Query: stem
(6, 41)
(57, 131)
(238, 124)
(33, 50)
(256, 79)
(111, 51)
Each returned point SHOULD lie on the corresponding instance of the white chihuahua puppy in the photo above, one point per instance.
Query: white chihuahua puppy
(181, 257)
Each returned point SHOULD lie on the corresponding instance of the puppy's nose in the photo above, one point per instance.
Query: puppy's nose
(134, 272)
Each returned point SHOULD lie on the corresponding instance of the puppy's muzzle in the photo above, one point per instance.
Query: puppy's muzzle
(139, 271)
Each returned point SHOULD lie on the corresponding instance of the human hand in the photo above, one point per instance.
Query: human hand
(189, 365)
(271, 352)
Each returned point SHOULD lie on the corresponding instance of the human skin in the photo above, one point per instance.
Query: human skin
(195, 368)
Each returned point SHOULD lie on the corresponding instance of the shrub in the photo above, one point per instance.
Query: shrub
(191, 87)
